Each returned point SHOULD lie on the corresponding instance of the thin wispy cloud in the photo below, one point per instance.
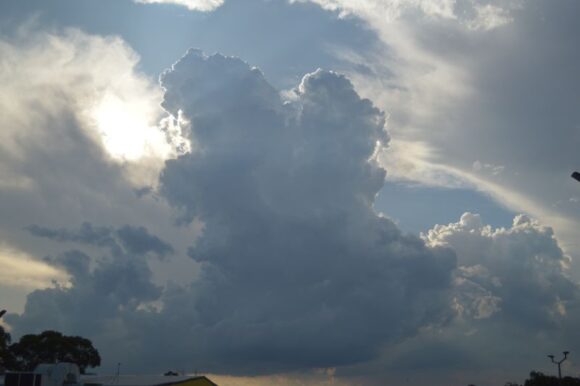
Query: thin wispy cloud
(193, 5)
(454, 98)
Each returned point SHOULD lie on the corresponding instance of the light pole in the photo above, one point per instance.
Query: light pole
(559, 363)
(2, 370)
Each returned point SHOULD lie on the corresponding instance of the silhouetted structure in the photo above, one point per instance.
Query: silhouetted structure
(576, 176)
(539, 379)
(149, 380)
(559, 363)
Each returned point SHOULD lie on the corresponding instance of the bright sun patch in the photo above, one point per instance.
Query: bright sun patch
(126, 130)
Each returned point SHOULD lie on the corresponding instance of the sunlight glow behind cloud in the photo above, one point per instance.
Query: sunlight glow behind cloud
(125, 130)
(88, 83)
(21, 270)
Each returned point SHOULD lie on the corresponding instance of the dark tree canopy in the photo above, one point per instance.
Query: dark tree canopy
(5, 358)
(539, 379)
(5, 339)
(51, 347)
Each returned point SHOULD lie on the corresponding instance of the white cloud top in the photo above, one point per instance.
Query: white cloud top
(496, 266)
(193, 5)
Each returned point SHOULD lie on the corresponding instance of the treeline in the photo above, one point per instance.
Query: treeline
(539, 379)
(52, 346)
(47, 347)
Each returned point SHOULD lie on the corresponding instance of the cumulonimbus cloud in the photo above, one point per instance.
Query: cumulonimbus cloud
(439, 68)
(285, 190)
(298, 271)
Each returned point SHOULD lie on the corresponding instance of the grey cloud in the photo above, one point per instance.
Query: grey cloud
(135, 240)
(87, 234)
(520, 270)
(512, 293)
(97, 301)
(514, 302)
(106, 290)
(76, 263)
(119, 278)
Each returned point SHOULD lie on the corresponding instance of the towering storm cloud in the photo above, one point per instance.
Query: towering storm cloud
(293, 267)
(297, 270)
(249, 225)
(301, 270)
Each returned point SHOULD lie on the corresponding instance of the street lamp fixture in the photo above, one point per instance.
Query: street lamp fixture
(559, 363)
(576, 176)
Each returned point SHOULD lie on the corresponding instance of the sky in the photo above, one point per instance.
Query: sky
(295, 192)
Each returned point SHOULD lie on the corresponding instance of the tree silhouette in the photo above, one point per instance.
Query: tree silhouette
(51, 347)
(5, 357)
(539, 379)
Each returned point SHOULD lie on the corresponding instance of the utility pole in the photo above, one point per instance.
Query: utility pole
(2, 369)
(559, 363)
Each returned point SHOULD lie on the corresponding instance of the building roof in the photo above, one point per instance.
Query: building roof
(147, 380)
